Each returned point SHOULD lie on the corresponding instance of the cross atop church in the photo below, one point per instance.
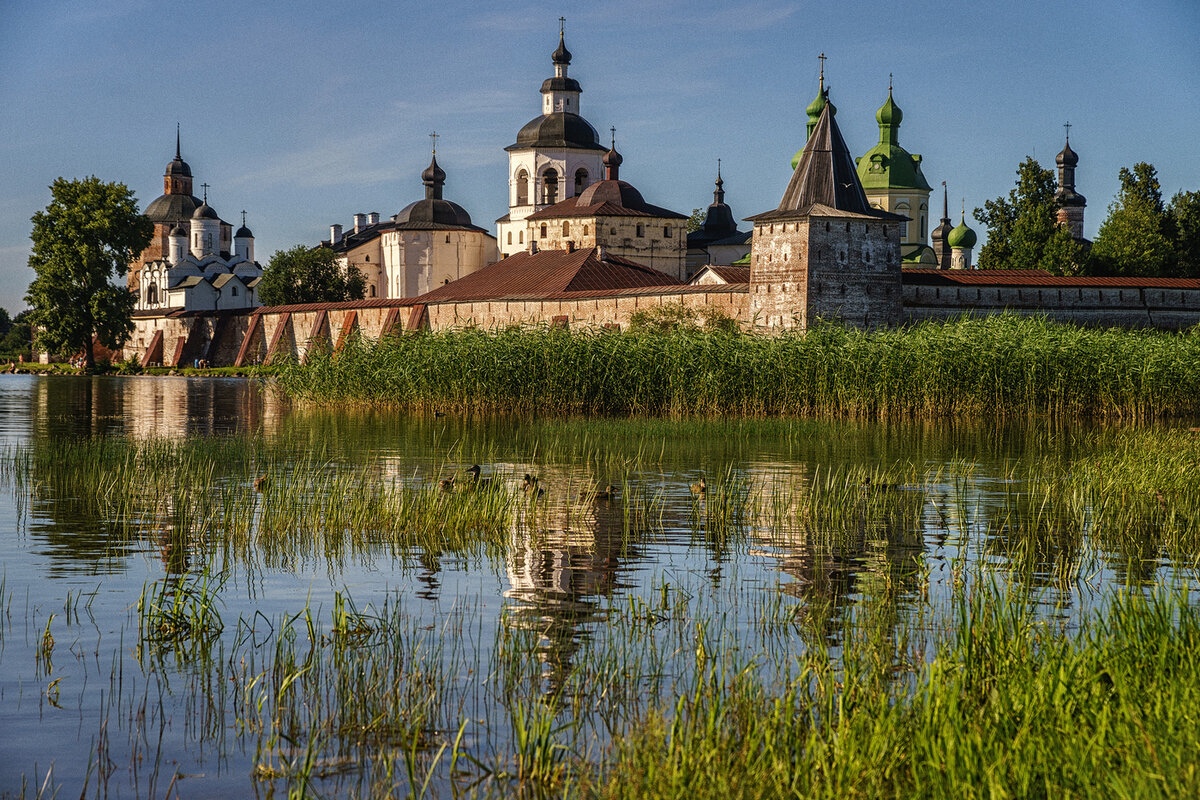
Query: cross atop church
(1067, 125)
(821, 58)
(889, 82)
(562, 26)
(204, 186)
(243, 217)
(434, 137)
(613, 129)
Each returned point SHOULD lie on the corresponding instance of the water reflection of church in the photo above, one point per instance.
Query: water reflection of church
(565, 560)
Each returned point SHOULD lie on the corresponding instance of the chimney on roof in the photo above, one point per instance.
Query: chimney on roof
(335, 234)
(532, 247)
(373, 218)
(570, 246)
(600, 254)
(360, 222)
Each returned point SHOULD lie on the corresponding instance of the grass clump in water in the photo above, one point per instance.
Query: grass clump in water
(1010, 706)
(998, 366)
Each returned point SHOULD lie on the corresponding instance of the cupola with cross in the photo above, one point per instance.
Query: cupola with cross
(557, 154)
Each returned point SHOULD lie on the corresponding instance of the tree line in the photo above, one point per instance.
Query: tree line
(1142, 236)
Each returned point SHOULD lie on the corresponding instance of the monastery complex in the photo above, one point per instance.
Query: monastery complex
(579, 247)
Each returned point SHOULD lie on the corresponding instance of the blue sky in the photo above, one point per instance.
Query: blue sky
(304, 113)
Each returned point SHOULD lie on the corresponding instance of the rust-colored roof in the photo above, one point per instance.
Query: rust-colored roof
(610, 198)
(1036, 277)
(550, 272)
(726, 273)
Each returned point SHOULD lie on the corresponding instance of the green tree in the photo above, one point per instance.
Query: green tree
(1135, 239)
(696, 220)
(309, 275)
(5, 322)
(1183, 217)
(84, 239)
(18, 339)
(1023, 230)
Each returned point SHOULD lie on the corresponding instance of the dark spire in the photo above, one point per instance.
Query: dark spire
(1067, 160)
(718, 220)
(612, 159)
(434, 178)
(940, 236)
(178, 156)
(826, 174)
(561, 56)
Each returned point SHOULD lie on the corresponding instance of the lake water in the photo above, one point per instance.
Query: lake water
(340, 651)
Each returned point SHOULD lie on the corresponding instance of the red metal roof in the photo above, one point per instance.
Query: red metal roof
(549, 273)
(1036, 277)
(727, 273)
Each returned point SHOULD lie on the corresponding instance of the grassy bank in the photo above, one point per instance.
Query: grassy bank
(1004, 366)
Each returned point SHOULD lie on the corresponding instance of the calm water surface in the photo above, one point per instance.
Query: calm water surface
(98, 713)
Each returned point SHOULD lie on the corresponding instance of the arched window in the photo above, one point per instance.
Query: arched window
(903, 210)
(372, 290)
(581, 180)
(550, 187)
(152, 294)
(666, 231)
(566, 228)
(641, 231)
(585, 230)
(520, 237)
(543, 236)
(522, 188)
(234, 292)
(510, 237)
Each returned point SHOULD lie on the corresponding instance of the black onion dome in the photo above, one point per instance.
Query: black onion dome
(561, 55)
(243, 233)
(1068, 157)
(612, 158)
(172, 208)
(179, 230)
(433, 174)
(559, 129)
(432, 211)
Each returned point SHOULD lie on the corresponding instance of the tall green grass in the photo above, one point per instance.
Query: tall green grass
(998, 366)
(1009, 706)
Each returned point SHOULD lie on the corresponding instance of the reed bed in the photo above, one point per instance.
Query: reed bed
(1010, 706)
(925, 635)
(998, 366)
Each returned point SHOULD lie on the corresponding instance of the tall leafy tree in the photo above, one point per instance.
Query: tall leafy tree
(1023, 229)
(84, 240)
(309, 275)
(1183, 217)
(1135, 239)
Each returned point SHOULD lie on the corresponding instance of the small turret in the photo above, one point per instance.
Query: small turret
(1071, 204)
(206, 231)
(176, 245)
(243, 241)
(961, 240)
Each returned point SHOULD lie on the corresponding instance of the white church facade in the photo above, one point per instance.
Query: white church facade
(195, 261)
